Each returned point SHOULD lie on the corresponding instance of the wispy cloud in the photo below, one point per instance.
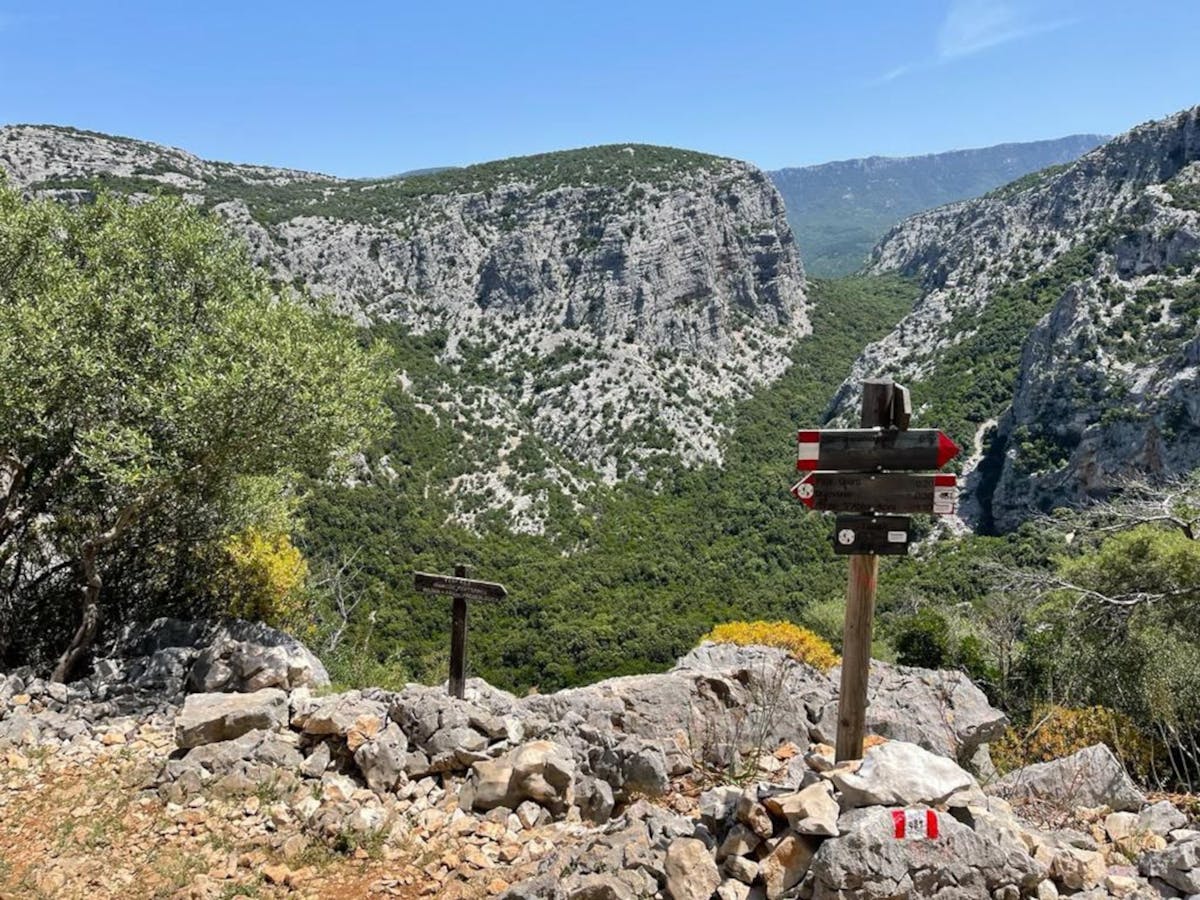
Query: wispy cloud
(971, 26)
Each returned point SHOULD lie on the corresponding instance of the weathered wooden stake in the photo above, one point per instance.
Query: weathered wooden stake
(878, 397)
(458, 639)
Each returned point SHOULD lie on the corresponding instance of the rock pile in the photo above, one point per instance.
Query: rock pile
(592, 793)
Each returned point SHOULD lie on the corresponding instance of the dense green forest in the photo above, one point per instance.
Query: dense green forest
(627, 583)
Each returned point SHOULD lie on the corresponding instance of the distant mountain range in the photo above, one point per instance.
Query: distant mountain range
(840, 210)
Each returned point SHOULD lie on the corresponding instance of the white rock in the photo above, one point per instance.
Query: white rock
(901, 774)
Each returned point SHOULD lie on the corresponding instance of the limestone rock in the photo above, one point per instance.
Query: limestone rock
(207, 718)
(742, 869)
(541, 771)
(1178, 865)
(942, 711)
(810, 811)
(381, 758)
(900, 774)
(1077, 869)
(691, 871)
(1161, 818)
(718, 806)
(753, 814)
(869, 863)
(1090, 777)
(784, 867)
(740, 841)
(597, 886)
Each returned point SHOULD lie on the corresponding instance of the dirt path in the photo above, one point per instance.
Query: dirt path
(87, 829)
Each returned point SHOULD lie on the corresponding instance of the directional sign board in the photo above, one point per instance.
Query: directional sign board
(873, 449)
(458, 587)
(882, 492)
(877, 535)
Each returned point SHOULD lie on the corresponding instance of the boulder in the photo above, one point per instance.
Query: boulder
(786, 864)
(1178, 865)
(812, 810)
(270, 748)
(595, 799)
(741, 869)
(381, 758)
(941, 711)
(753, 814)
(1090, 777)
(541, 771)
(900, 774)
(869, 863)
(1161, 818)
(337, 714)
(712, 707)
(691, 871)
(208, 718)
(596, 886)
(231, 656)
(740, 841)
(718, 806)
(1077, 869)
(317, 762)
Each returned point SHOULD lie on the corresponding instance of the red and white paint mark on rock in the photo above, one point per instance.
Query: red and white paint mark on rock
(915, 824)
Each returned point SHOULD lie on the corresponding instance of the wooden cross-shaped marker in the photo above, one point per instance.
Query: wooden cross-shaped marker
(462, 589)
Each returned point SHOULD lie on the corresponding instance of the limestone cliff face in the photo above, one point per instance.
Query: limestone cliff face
(614, 299)
(1107, 383)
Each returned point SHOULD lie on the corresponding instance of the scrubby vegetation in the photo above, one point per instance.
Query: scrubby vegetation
(159, 398)
(800, 643)
(609, 169)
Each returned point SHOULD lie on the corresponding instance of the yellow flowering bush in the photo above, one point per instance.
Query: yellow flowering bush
(1058, 731)
(800, 643)
(262, 577)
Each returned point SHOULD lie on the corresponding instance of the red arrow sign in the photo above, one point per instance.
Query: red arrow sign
(883, 492)
(873, 449)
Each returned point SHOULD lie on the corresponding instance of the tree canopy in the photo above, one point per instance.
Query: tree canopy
(152, 376)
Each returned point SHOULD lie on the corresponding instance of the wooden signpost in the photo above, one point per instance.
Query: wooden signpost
(866, 471)
(882, 492)
(867, 449)
(461, 589)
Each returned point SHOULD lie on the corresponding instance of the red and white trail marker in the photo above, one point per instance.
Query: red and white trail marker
(873, 449)
(914, 824)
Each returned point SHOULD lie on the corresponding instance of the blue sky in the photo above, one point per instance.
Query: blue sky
(362, 89)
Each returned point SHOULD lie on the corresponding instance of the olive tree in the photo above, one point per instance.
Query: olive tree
(150, 369)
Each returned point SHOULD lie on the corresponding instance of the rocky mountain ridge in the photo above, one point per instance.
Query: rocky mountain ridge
(1063, 309)
(840, 210)
(608, 303)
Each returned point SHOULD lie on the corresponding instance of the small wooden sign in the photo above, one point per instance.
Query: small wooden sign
(451, 586)
(883, 492)
(873, 449)
(875, 535)
(461, 589)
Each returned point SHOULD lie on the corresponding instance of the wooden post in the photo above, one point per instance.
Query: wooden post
(877, 400)
(458, 640)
